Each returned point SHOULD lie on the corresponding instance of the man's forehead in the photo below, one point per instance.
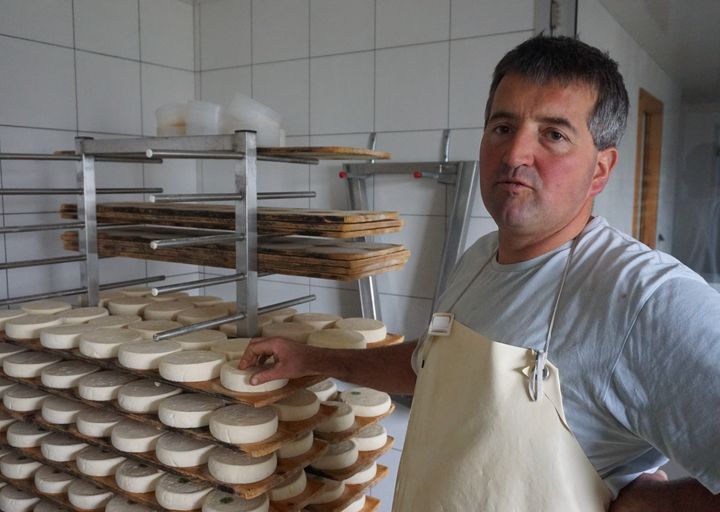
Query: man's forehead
(514, 89)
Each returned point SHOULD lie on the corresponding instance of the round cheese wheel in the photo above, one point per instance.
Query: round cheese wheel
(243, 424)
(64, 336)
(324, 390)
(317, 320)
(15, 500)
(235, 379)
(45, 307)
(61, 411)
(367, 402)
(94, 461)
(148, 328)
(372, 330)
(82, 315)
(180, 493)
(202, 339)
(331, 491)
(106, 295)
(128, 305)
(28, 364)
(103, 386)
(188, 410)
(97, 422)
(5, 385)
(135, 437)
(191, 366)
(298, 447)
(232, 348)
(337, 338)
(289, 330)
(338, 456)
(218, 501)
(114, 321)
(8, 349)
(18, 466)
(299, 406)
(87, 496)
(26, 435)
(144, 395)
(355, 506)
(52, 481)
(45, 506)
(29, 326)
(137, 477)
(181, 451)
(363, 476)
(231, 329)
(171, 297)
(234, 467)
(281, 315)
(122, 504)
(136, 291)
(165, 310)
(293, 486)
(66, 374)
(371, 438)
(61, 447)
(145, 356)
(197, 314)
(5, 421)
(22, 398)
(7, 314)
(205, 300)
(342, 419)
(104, 343)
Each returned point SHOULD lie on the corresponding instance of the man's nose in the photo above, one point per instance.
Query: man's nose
(520, 150)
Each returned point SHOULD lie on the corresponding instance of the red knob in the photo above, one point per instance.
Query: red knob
(417, 175)
(342, 174)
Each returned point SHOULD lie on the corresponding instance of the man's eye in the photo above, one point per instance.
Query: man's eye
(556, 135)
(501, 129)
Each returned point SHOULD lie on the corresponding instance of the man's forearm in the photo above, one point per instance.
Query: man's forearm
(669, 496)
(387, 369)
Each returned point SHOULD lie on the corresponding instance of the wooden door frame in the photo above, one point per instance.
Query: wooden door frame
(647, 168)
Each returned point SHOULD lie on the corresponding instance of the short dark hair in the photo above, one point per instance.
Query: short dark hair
(545, 59)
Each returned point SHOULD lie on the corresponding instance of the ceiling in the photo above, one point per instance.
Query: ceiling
(682, 36)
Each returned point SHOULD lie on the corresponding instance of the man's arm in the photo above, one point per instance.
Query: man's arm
(386, 369)
(648, 494)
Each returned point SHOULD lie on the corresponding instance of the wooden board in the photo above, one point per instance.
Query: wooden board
(312, 488)
(326, 153)
(390, 339)
(351, 493)
(360, 423)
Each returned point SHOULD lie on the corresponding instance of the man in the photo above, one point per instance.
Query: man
(572, 360)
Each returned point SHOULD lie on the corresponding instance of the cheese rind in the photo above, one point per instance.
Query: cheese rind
(64, 336)
(233, 467)
(293, 486)
(181, 451)
(289, 330)
(148, 328)
(122, 504)
(26, 435)
(61, 411)
(337, 338)
(205, 300)
(191, 366)
(331, 492)
(128, 305)
(371, 438)
(188, 410)
(15, 500)
(363, 476)
(45, 307)
(61, 447)
(23, 398)
(18, 466)
(202, 339)
(299, 406)
(243, 424)
(5, 421)
(372, 330)
(324, 390)
(7, 314)
(298, 447)
(355, 506)
(52, 481)
(29, 326)
(136, 291)
(218, 501)
(95, 461)
(281, 315)
(82, 315)
(178, 493)
(135, 437)
(342, 419)
(367, 402)
(317, 320)
(170, 297)
(232, 348)
(8, 349)
(104, 385)
(29, 364)
(114, 321)
(165, 310)
(88, 496)
(144, 395)
(137, 477)
(197, 314)
(236, 379)
(104, 343)
(66, 374)
(145, 356)
(97, 422)
(338, 456)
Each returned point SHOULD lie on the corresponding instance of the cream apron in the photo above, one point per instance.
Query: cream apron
(480, 438)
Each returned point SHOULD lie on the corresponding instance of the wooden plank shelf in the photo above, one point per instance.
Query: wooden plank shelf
(351, 493)
(364, 461)
(360, 423)
(299, 502)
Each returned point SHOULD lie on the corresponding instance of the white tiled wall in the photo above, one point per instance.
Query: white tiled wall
(95, 68)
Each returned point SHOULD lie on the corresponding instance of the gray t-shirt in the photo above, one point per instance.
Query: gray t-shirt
(636, 342)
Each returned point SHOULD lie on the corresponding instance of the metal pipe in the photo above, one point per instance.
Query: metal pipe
(73, 157)
(41, 296)
(41, 227)
(188, 198)
(74, 191)
(196, 327)
(131, 282)
(286, 195)
(37, 263)
(189, 285)
(196, 240)
(224, 155)
(288, 303)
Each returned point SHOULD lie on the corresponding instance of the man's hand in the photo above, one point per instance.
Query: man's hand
(654, 493)
(292, 359)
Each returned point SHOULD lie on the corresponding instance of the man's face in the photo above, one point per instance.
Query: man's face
(539, 168)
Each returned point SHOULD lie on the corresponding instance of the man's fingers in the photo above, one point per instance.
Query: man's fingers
(261, 377)
(255, 350)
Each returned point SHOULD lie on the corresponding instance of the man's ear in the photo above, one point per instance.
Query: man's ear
(604, 165)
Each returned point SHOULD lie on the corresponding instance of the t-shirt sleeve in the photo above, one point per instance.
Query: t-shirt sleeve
(665, 386)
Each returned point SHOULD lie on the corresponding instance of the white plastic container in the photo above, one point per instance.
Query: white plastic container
(203, 118)
(244, 113)
(171, 119)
